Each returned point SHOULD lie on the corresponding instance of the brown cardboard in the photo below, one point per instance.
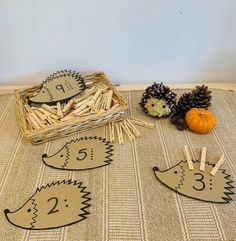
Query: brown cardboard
(59, 86)
(81, 154)
(197, 184)
(52, 206)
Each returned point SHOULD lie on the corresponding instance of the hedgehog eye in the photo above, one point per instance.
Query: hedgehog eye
(61, 155)
(43, 91)
(163, 106)
(29, 210)
(153, 105)
(175, 172)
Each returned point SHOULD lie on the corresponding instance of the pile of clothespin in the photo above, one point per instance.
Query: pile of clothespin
(116, 131)
(96, 99)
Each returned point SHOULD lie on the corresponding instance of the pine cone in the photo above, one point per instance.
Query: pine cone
(185, 103)
(181, 124)
(201, 97)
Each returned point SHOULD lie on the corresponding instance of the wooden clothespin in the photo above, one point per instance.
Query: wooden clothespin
(79, 104)
(49, 109)
(67, 118)
(203, 159)
(218, 165)
(119, 134)
(188, 157)
(82, 112)
(109, 99)
(93, 100)
(59, 110)
(127, 132)
(139, 122)
(33, 122)
(112, 132)
(67, 107)
(96, 105)
(81, 108)
(133, 128)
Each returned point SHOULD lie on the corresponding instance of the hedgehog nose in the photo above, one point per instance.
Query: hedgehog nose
(6, 211)
(156, 169)
(44, 155)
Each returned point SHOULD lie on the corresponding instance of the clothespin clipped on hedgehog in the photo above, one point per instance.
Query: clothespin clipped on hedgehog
(59, 87)
(158, 100)
(55, 205)
(204, 182)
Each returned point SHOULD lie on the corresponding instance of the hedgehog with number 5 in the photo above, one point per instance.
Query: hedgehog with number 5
(52, 206)
(81, 154)
(211, 184)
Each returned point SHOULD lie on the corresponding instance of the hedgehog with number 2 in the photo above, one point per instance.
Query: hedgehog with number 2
(52, 206)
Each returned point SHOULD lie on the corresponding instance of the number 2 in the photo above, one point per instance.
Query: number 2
(53, 210)
(200, 179)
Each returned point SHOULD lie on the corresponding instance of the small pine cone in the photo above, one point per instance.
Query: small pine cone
(201, 97)
(181, 124)
(185, 103)
(174, 117)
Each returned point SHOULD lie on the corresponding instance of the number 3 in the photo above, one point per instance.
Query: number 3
(201, 181)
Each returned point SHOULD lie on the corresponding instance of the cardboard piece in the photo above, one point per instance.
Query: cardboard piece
(58, 87)
(197, 184)
(81, 154)
(52, 206)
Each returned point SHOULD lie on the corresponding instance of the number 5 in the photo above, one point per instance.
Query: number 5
(82, 154)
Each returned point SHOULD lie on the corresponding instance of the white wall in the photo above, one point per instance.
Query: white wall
(131, 40)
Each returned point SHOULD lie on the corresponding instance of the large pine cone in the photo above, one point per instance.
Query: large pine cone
(201, 97)
(185, 103)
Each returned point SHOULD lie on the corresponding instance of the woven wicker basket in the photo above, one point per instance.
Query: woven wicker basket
(78, 124)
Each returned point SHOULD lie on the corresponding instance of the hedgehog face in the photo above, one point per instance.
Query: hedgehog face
(24, 216)
(43, 96)
(157, 107)
(58, 159)
(171, 176)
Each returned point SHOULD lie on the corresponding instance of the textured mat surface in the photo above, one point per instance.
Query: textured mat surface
(128, 203)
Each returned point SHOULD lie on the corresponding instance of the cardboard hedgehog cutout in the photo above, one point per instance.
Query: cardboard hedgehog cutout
(81, 154)
(58, 87)
(52, 206)
(198, 179)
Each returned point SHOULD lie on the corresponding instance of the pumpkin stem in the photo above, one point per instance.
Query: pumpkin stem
(202, 114)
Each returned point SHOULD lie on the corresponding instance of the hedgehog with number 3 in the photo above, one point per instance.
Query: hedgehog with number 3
(209, 184)
(52, 206)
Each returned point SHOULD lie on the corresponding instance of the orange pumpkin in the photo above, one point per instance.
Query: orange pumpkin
(200, 120)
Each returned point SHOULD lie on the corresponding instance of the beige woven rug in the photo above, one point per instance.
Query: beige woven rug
(128, 202)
